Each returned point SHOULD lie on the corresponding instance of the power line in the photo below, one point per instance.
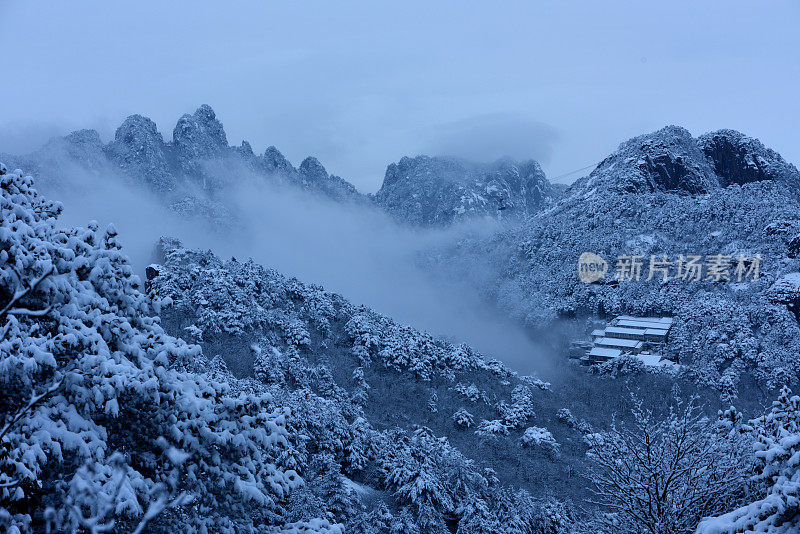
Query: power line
(571, 172)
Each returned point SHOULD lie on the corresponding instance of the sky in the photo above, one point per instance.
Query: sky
(362, 84)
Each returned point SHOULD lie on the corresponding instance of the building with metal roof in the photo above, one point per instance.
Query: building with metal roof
(601, 354)
(631, 345)
(627, 334)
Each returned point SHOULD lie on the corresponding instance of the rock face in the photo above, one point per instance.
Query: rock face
(437, 191)
(738, 159)
(197, 160)
(668, 160)
(671, 160)
(199, 138)
(140, 151)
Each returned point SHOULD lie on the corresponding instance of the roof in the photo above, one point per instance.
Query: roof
(606, 353)
(617, 342)
(621, 330)
(639, 323)
(668, 320)
(655, 332)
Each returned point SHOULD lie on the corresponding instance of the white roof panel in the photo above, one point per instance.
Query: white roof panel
(655, 332)
(621, 330)
(606, 353)
(617, 342)
(668, 320)
(631, 323)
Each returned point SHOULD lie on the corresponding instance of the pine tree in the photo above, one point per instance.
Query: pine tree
(107, 420)
(777, 450)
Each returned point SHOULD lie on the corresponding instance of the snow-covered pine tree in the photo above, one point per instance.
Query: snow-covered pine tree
(104, 421)
(777, 463)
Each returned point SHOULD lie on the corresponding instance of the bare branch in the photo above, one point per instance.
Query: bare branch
(20, 294)
(159, 506)
(29, 313)
(35, 399)
(662, 476)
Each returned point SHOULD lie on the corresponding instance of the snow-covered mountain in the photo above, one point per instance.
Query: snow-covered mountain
(189, 171)
(664, 193)
(198, 161)
(437, 191)
(227, 397)
(288, 409)
(671, 160)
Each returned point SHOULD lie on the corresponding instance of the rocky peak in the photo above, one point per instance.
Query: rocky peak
(739, 159)
(197, 138)
(139, 149)
(82, 147)
(668, 160)
(201, 129)
(434, 191)
(138, 129)
(275, 162)
(86, 147)
(535, 187)
(314, 176)
(245, 149)
(84, 138)
(199, 155)
(312, 170)
(671, 160)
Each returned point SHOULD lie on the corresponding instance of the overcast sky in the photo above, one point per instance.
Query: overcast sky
(361, 84)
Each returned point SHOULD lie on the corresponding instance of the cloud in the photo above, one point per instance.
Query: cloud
(491, 136)
(357, 251)
(22, 138)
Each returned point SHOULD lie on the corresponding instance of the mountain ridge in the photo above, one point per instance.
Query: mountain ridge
(664, 193)
(196, 157)
(440, 190)
(670, 160)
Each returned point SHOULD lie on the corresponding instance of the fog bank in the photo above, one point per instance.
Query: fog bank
(354, 250)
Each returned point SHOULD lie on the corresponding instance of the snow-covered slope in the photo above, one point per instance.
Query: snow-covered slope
(269, 326)
(109, 423)
(663, 193)
(671, 160)
(297, 411)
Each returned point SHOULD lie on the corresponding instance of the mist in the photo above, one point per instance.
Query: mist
(354, 250)
(491, 136)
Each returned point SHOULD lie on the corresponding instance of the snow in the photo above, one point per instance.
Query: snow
(426, 191)
(604, 352)
(535, 436)
(82, 332)
(654, 360)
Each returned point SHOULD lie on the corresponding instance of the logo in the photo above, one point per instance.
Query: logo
(591, 267)
(686, 268)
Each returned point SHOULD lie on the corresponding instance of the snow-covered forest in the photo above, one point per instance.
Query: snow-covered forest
(211, 395)
(423, 268)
